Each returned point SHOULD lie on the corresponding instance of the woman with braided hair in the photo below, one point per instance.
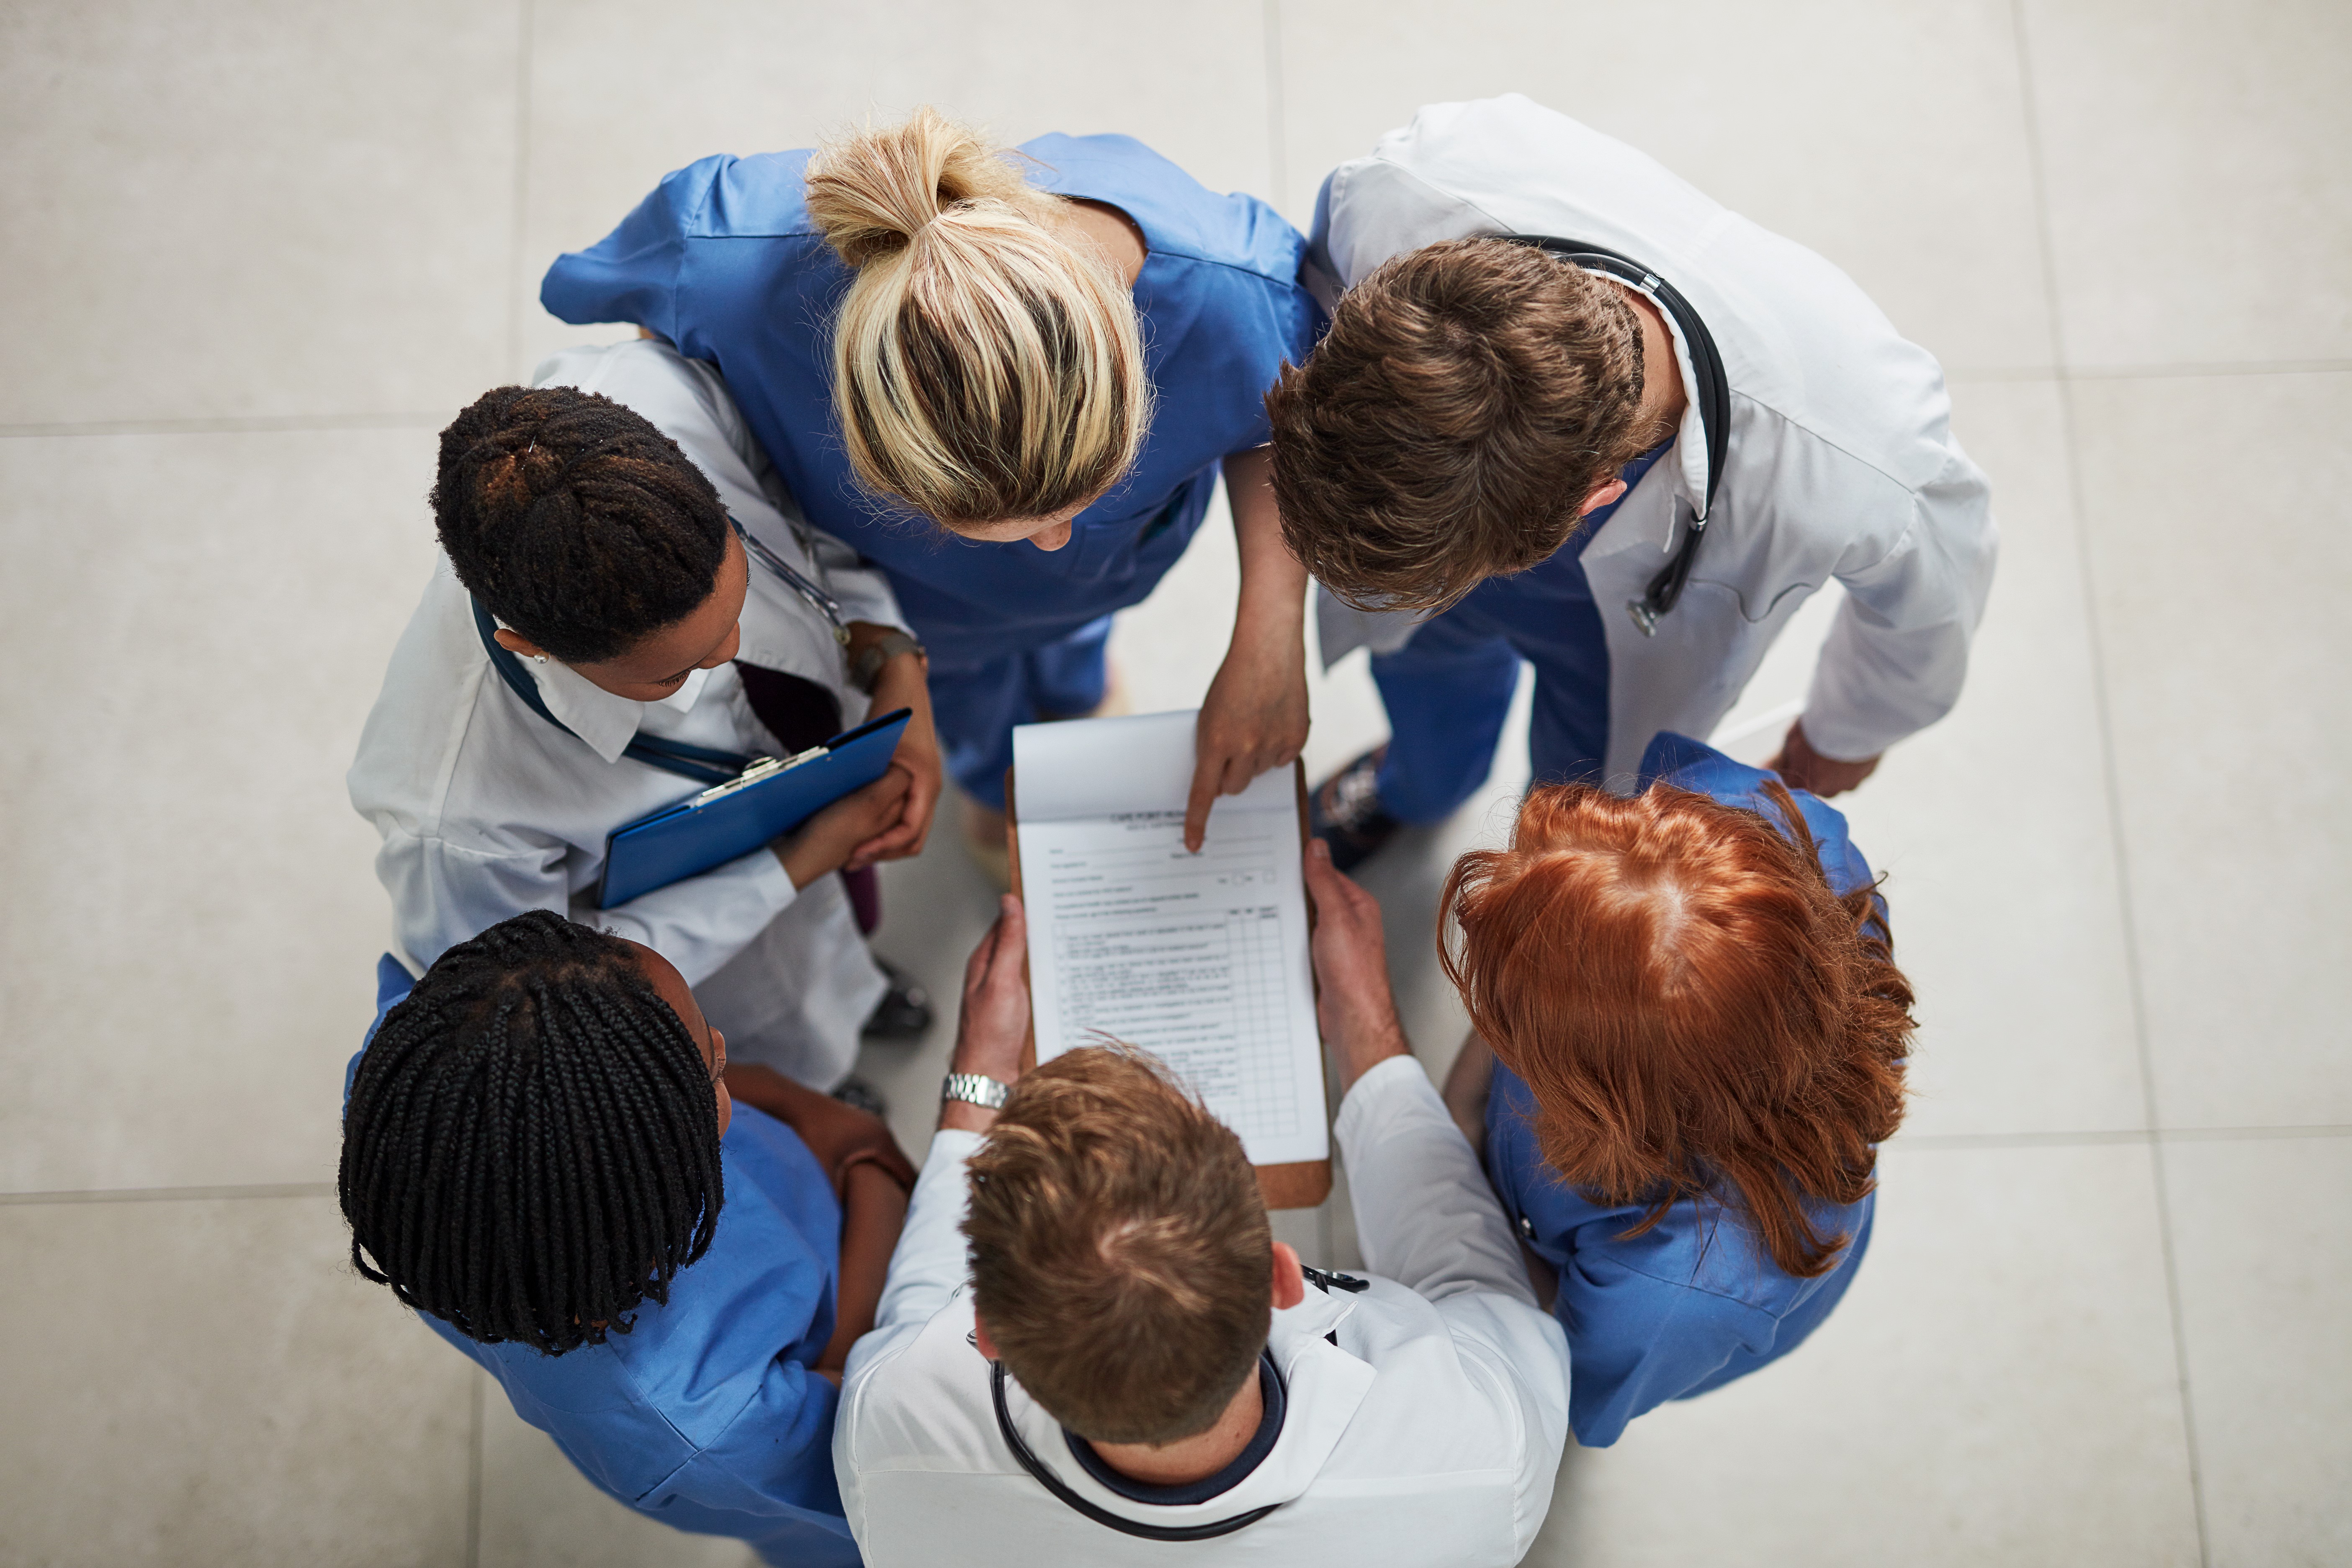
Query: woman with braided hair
(547, 1156)
(1688, 1037)
(595, 616)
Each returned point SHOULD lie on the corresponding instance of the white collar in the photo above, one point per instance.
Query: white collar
(606, 722)
(1661, 527)
(1322, 1387)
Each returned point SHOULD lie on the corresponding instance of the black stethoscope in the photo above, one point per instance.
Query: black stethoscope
(1713, 406)
(1103, 1516)
(1321, 1280)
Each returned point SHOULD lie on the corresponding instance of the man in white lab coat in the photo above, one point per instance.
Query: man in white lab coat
(1125, 1358)
(1625, 444)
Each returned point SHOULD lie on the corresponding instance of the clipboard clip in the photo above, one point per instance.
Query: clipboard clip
(761, 768)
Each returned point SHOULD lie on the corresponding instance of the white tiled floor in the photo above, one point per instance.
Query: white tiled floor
(262, 250)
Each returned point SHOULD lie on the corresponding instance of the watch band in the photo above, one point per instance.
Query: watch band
(975, 1088)
(878, 653)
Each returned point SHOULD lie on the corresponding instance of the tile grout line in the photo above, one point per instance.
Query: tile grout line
(2119, 845)
(2183, 371)
(2090, 1138)
(174, 1194)
(474, 1475)
(1277, 141)
(258, 424)
(525, 42)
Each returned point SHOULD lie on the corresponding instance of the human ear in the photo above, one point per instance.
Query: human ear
(1289, 1284)
(1602, 495)
(516, 643)
(979, 1338)
(726, 1100)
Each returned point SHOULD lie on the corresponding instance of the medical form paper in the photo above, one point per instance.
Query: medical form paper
(1200, 959)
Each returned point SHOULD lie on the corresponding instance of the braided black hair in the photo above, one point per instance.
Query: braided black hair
(531, 1145)
(574, 520)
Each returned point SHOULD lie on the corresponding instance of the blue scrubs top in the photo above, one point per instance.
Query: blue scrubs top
(724, 261)
(1695, 1301)
(705, 1414)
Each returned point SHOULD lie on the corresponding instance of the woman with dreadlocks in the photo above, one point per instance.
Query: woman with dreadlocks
(595, 632)
(546, 1154)
(1688, 1041)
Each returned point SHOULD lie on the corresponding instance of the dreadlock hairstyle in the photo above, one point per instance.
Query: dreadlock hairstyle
(531, 1145)
(574, 520)
(1696, 1014)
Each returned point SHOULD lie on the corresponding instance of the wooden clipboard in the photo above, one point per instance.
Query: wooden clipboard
(1300, 1184)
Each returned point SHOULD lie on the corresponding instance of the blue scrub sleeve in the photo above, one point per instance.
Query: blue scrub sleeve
(631, 274)
(1639, 1341)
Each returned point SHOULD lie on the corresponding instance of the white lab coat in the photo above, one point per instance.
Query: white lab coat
(1430, 1433)
(488, 810)
(1841, 462)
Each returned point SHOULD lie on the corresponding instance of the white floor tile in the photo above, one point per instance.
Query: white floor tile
(539, 1511)
(622, 94)
(255, 207)
(2219, 583)
(2263, 1250)
(196, 628)
(1993, 830)
(1998, 1386)
(214, 1388)
(2196, 213)
(1890, 138)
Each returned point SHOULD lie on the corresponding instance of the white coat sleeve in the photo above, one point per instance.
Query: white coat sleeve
(443, 893)
(1898, 651)
(1427, 1219)
(931, 1262)
(701, 923)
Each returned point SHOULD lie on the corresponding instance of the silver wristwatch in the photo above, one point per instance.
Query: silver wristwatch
(977, 1089)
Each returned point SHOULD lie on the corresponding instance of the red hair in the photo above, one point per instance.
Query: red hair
(1695, 1012)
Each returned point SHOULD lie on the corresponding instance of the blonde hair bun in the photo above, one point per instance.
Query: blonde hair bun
(983, 368)
(871, 194)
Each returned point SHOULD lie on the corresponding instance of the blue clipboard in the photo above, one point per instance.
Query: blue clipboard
(767, 800)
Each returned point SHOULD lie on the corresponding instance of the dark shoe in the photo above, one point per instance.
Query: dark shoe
(905, 1011)
(859, 1095)
(1346, 812)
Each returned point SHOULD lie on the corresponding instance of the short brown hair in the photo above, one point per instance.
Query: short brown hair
(1120, 1255)
(1467, 398)
(1696, 1013)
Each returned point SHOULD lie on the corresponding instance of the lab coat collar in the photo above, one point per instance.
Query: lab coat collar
(1322, 1384)
(608, 723)
(1660, 528)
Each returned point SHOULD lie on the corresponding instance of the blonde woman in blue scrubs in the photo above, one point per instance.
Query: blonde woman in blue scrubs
(1010, 379)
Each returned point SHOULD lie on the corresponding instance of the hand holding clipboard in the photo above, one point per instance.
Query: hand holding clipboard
(767, 800)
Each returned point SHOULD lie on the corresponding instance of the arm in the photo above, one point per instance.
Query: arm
(931, 1263)
(631, 274)
(903, 682)
(1424, 1214)
(1255, 717)
(1899, 652)
(443, 893)
(1423, 1210)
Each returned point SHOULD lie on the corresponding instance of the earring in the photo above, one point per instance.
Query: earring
(539, 659)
